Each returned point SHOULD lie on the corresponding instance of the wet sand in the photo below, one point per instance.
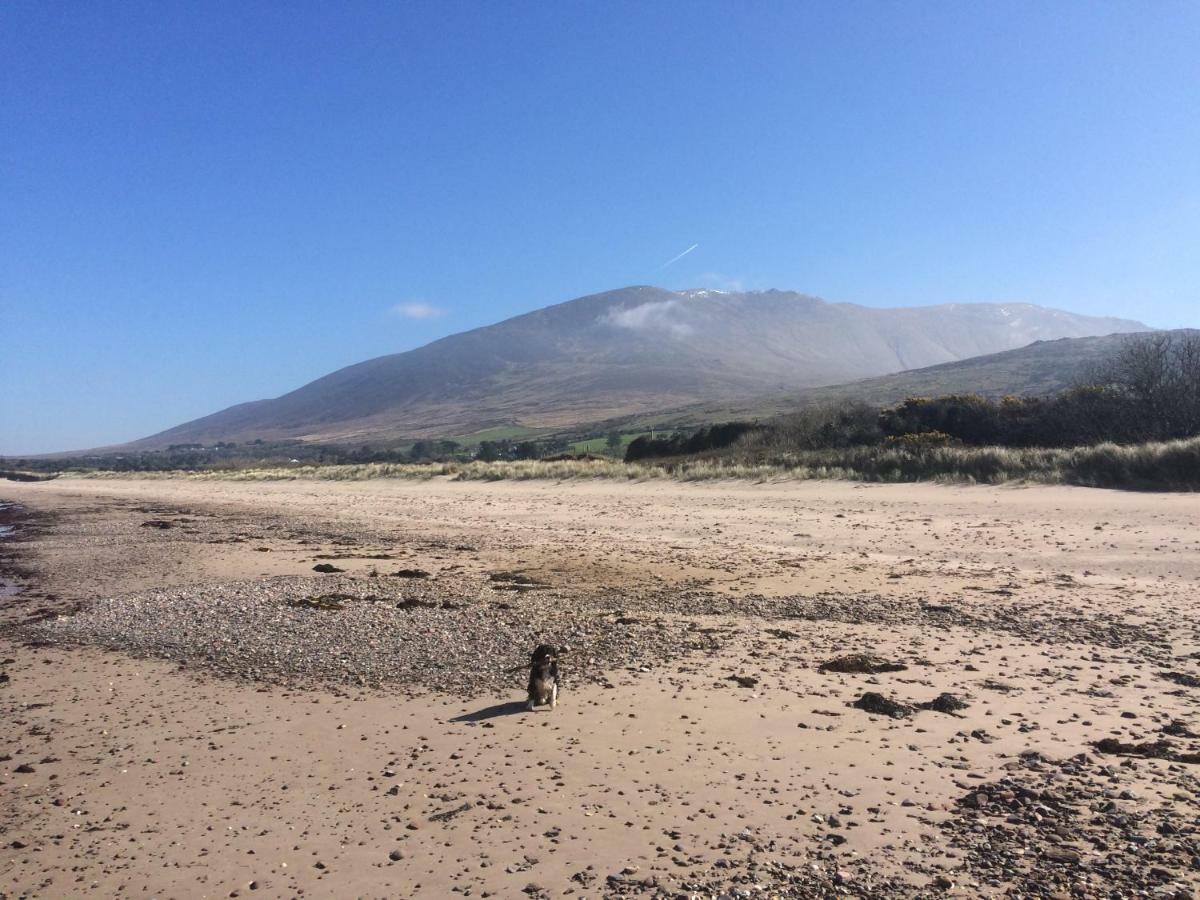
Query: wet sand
(1056, 614)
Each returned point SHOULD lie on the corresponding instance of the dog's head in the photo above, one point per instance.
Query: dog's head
(543, 655)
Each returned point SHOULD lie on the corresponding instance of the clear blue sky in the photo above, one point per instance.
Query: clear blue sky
(206, 203)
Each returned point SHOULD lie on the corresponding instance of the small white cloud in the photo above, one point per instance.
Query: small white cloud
(417, 309)
(663, 316)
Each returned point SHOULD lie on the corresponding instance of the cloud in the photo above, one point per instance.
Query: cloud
(664, 316)
(417, 309)
(674, 259)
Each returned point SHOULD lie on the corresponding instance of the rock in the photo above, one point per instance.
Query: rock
(410, 573)
(1146, 750)
(327, 568)
(396, 855)
(1063, 855)
(1182, 678)
(945, 703)
(861, 664)
(746, 681)
(879, 705)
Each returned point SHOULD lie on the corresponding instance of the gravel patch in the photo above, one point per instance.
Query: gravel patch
(453, 635)
(1052, 828)
(1047, 621)
(469, 635)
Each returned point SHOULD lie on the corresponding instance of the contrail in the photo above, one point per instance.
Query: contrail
(679, 257)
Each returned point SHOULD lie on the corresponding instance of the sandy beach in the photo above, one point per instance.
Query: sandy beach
(187, 713)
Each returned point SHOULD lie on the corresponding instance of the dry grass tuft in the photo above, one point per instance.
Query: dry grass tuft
(1171, 465)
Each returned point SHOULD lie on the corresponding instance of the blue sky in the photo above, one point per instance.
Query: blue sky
(206, 203)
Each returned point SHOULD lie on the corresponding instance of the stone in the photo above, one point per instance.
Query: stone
(878, 704)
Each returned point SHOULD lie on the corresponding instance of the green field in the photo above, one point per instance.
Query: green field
(599, 445)
(499, 433)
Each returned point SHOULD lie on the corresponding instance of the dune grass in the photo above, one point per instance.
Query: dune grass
(340, 472)
(1172, 465)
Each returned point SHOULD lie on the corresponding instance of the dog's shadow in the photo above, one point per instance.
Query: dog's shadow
(511, 708)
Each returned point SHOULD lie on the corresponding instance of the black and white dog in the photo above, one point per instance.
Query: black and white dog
(543, 677)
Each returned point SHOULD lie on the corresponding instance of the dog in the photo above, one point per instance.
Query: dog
(543, 677)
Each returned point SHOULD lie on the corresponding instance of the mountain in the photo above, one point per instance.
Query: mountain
(629, 351)
(1039, 369)
(1042, 368)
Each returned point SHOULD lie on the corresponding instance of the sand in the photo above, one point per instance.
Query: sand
(1055, 613)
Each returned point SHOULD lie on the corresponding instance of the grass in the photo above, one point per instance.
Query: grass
(1173, 465)
(1169, 465)
(500, 433)
(599, 445)
(340, 472)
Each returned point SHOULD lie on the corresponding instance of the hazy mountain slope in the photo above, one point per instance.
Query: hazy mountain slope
(1042, 368)
(628, 351)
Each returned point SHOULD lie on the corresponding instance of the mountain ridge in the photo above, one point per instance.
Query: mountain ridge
(630, 350)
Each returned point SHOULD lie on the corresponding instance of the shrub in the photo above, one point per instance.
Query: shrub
(918, 439)
(714, 437)
(847, 425)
